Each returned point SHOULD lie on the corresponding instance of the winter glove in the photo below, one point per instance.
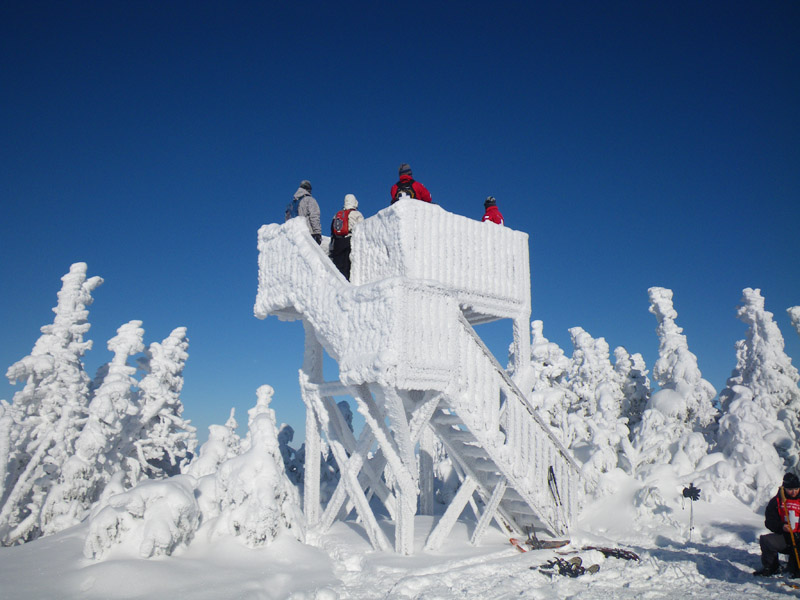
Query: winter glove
(691, 492)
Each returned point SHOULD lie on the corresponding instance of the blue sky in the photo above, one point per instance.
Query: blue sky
(638, 143)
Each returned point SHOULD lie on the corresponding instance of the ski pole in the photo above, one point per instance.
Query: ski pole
(791, 531)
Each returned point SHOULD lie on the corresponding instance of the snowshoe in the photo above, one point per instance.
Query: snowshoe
(568, 568)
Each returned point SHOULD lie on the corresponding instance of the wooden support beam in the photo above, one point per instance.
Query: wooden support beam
(450, 516)
(489, 512)
(348, 471)
(311, 371)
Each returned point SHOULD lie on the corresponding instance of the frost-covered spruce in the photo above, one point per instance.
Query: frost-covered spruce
(608, 441)
(6, 430)
(156, 515)
(591, 366)
(547, 386)
(794, 315)
(596, 419)
(550, 364)
(763, 367)
(634, 382)
(256, 499)
(747, 436)
(48, 413)
(162, 440)
(97, 450)
(676, 368)
(663, 436)
(222, 444)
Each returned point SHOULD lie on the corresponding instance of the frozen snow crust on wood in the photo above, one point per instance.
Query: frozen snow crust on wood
(415, 266)
(402, 335)
(485, 268)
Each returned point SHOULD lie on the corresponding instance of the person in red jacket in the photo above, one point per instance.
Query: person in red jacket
(782, 518)
(408, 188)
(492, 213)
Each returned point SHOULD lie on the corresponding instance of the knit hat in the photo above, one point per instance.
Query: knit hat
(350, 202)
(305, 184)
(405, 169)
(790, 481)
(490, 201)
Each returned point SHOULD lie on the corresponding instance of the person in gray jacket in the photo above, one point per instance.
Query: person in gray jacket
(304, 205)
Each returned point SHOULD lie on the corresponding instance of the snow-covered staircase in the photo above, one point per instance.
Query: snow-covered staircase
(402, 335)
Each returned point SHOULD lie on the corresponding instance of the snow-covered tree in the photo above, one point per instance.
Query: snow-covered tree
(662, 436)
(608, 432)
(162, 440)
(47, 414)
(748, 436)
(256, 499)
(6, 430)
(794, 315)
(763, 367)
(223, 443)
(676, 368)
(550, 364)
(596, 418)
(97, 450)
(590, 367)
(634, 382)
(546, 383)
(158, 514)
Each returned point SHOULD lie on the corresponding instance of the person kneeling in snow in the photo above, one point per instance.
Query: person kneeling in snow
(782, 517)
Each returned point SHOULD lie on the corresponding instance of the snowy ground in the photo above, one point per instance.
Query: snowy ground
(717, 564)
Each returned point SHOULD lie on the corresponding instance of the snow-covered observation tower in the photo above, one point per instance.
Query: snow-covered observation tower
(402, 334)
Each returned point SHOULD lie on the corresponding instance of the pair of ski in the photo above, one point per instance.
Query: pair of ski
(535, 544)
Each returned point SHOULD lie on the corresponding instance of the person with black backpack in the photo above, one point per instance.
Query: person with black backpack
(406, 187)
(303, 204)
(341, 229)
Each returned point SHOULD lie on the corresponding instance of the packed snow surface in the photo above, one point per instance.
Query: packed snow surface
(716, 564)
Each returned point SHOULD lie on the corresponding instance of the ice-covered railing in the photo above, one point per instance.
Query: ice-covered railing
(393, 332)
(483, 265)
(509, 428)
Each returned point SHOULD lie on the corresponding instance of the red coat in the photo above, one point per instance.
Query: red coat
(420, 191)
(493, 214)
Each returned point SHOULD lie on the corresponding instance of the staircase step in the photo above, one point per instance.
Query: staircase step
(485, 466)
(461, 436)
(445, 419)
(518, 508)
(471, 451)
